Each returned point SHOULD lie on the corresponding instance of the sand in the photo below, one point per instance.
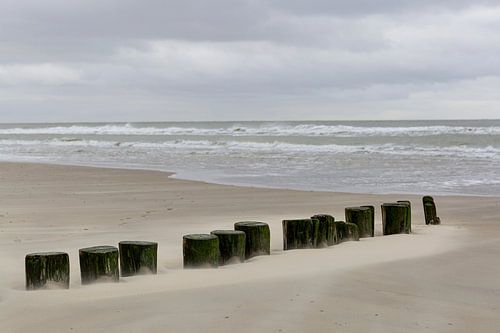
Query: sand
(439, 279)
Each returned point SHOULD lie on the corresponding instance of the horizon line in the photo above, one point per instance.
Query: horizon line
(243, 121)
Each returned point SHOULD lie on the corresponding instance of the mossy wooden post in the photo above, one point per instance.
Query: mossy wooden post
(428, 203)
(394, 218)
(298, 234)
(47, 270)
(200, 251)
(258, 238)
(231, 246)
(340, 229)
(372, 217)
(346, 231)
(352, 232)
(427, 198)
(408, 214)
(430, 212)
(99, 264)
(138, 257)
(360, 216)
(327, 221)
(320, 233)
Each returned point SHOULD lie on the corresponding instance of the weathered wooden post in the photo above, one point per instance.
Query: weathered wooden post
(427, 198)
(320, 233)
(138, 257)
(257, 238)
(408, 214)
(360, 216)
(328, 222)
(99, 263)
(372, 217)
(231, 246)
(395, 218)
(298, 234)
(430, 212)
(340, 230)
(352, 232)
(346, 231)
(47, 270)
(200, 251)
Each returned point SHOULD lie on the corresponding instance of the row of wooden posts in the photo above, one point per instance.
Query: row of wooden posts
(221, 247)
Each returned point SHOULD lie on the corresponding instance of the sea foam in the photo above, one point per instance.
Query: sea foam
(263, 130)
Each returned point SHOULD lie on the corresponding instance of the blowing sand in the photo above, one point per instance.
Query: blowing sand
(439, 278)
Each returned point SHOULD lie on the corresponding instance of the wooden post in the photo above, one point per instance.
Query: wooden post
(394, 218)
(200, 251)
(427, 198)
(408, 214)
(258, 238)
(346, 231)
(372, 217)
(340, 230)
(99, 263)
(430, 212)
(231, 246)
(137, 257)
(352, 232)
(360, 216)
(47, 270)
(328, 222)
(298, 234)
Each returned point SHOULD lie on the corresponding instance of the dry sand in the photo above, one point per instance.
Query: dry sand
(438, 279)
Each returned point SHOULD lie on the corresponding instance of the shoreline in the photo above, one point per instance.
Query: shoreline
(175, 175)
(434, 272)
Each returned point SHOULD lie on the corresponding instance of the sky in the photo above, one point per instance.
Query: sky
(175, 60)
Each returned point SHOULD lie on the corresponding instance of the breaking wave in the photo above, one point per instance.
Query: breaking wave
(270, 130)
(488, 152)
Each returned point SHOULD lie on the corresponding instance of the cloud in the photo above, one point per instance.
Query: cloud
(37, 74)
(248, 59)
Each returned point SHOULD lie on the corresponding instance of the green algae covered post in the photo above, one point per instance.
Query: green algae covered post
(297, 234)
(372, 217)
(200, 251)
(362, 217)
(346, 231)
(430, 211)
(258, 238)
(352, 232)
(408, 214)
(47, 270)
(99, 264)
(231, 246)
(394, 218)
(318, 234)
(327, 228)
(340, 229)
(304, 233)
(138, 257)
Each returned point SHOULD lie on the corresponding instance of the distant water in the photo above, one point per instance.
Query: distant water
(461, 157)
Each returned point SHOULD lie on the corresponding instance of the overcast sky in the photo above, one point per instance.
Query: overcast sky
(98, 60)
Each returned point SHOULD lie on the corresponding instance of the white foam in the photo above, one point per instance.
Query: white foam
(488, 152)
(310, 130)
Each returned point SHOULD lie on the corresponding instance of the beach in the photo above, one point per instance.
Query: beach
(439, 278)
(249, 166)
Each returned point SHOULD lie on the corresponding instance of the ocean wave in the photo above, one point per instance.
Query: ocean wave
(276, 147)
(270, 130)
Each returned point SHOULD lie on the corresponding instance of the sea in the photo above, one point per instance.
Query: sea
(424, 157)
